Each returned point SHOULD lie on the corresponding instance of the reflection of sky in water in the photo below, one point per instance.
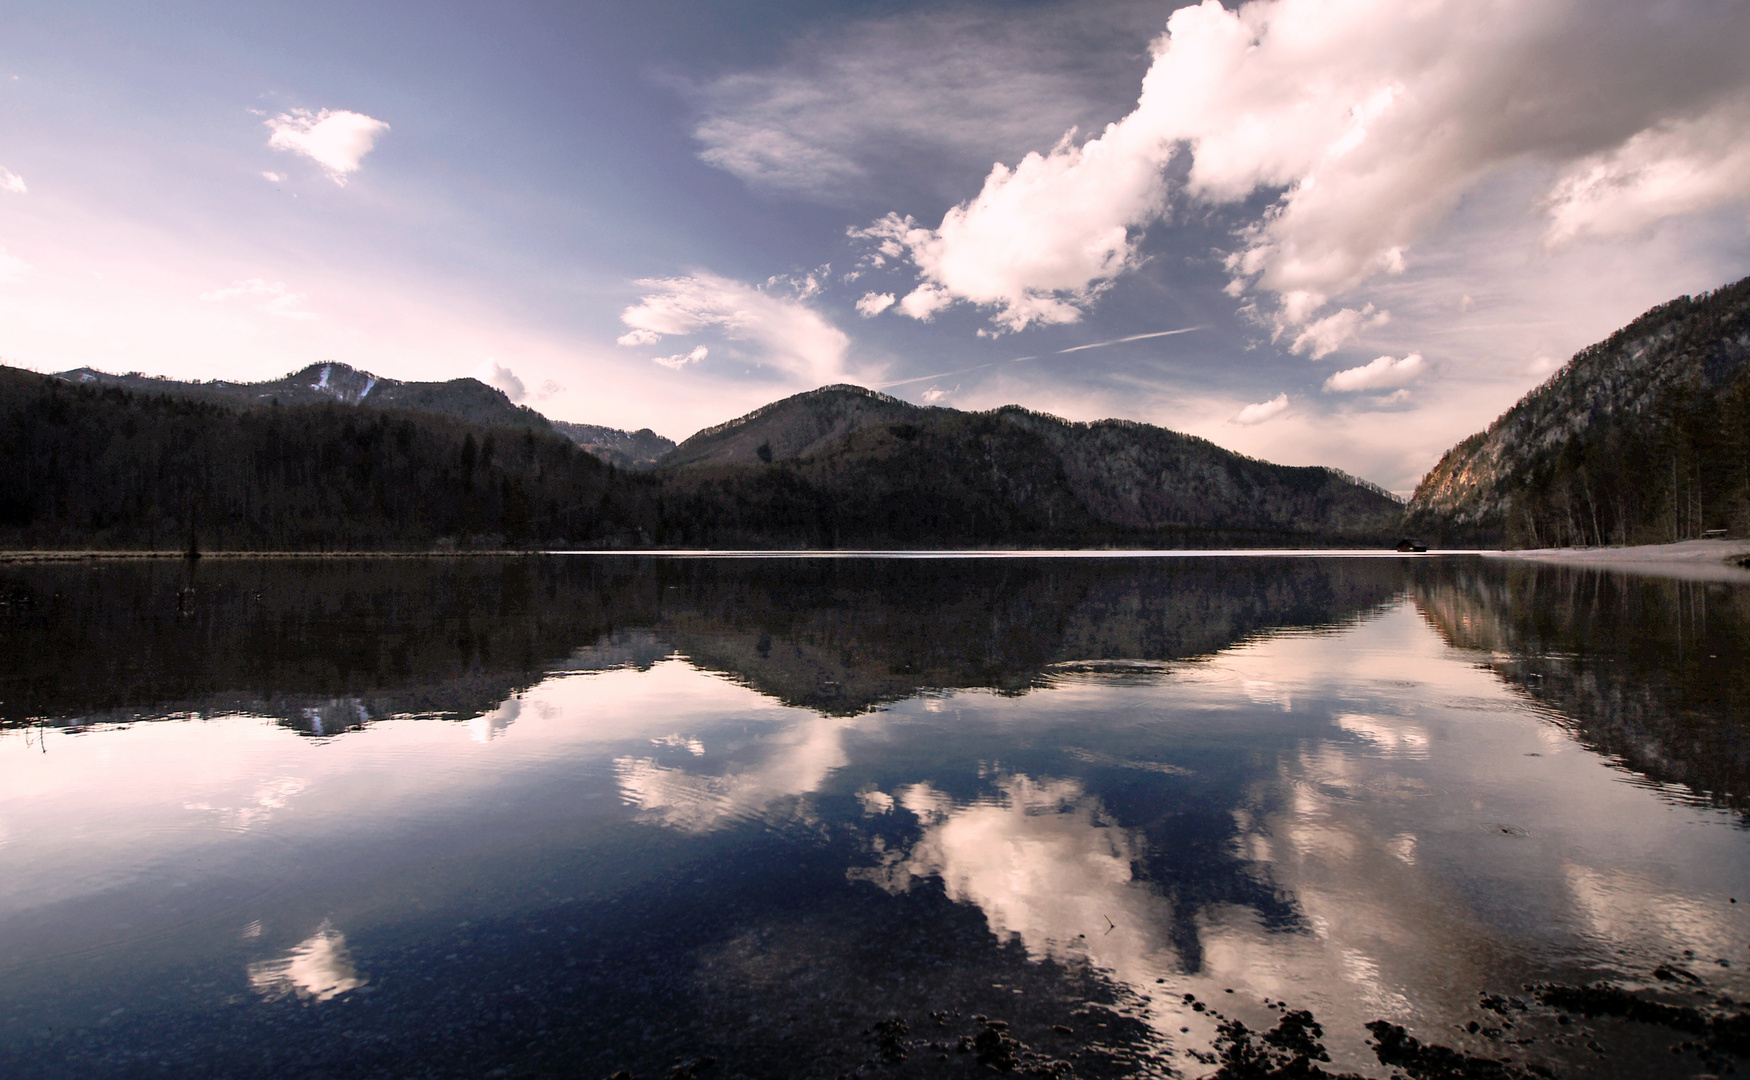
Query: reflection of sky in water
(318, 967)
(1037, 857)
(1422, 832)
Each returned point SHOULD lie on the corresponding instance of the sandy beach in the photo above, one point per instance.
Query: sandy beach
(1690, 560)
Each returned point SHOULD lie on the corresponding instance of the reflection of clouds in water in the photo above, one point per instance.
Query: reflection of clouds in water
(1043, 867)
(489, 726)
(318, 967)
(1393, 735)
(268, 796)
(1265, 692)
(1627, 912)
(693, 746)
(799, 760)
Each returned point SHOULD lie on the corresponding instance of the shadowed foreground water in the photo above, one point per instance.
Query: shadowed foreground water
(718, 818)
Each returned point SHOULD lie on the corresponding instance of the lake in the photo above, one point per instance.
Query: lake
(800, 817)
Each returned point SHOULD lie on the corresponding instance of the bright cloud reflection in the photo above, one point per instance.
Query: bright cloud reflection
(318, 967)
(799, 760)
(1045, 867)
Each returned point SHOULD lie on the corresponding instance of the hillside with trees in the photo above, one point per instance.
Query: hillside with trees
(634, 450)
(90, 464)
(1642, 438)
(844, 465)
(84, 466)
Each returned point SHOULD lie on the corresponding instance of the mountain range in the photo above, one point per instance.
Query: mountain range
(330, 457)
(1644, 437)
(468, 400)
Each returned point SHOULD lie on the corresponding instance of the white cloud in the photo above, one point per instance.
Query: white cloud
(1324, 336)
(681, 360)
(495, 374)
(923, 302)
(1262, 411)
(336, 139)
(12, 268)
(1368, 121)
(270, 296)
(935, 395)
(1039, 240)
(1381, 374)
(12, 182)
(791, 336)
(873, 304)
(1669, 169)
(273, 177)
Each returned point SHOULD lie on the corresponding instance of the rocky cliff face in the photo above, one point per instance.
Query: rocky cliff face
(1644, 437)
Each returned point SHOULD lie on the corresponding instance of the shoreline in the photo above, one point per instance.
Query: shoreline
(93, 556)
(1689, 560)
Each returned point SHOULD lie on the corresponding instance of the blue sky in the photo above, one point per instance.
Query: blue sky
(1378, 224)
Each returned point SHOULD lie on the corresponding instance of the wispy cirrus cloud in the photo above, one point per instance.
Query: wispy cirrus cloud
(270, 296)
(12, 268)
(785, 331)
(681, 360)
(336, 139)
(851, 112)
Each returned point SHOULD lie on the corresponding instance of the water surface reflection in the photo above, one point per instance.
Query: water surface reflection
(575, 815)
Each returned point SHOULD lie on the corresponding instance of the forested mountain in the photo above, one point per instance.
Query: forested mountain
(88, 465)
(844, 464)
(634, 450)
(795, 427)
(463, 399)
(1642, 438)
(101, 467)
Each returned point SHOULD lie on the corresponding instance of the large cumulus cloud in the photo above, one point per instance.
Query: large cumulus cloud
(1363, 123)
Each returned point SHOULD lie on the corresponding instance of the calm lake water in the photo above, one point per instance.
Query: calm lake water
(770, 818)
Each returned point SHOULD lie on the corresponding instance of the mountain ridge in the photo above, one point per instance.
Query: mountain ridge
(465, 399)
(1641, 438)
(836, 466)
(834, 462)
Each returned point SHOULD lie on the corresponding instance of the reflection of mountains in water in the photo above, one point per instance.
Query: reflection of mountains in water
(1650, 672)
(326, 646)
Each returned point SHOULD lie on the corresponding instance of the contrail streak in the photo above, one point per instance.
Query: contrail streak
(1018, 359)
(1122, 340)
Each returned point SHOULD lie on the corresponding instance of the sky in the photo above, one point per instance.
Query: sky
(1339, 232)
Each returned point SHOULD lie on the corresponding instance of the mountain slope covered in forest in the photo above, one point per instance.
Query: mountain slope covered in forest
(1641, 438)
(844, 462)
